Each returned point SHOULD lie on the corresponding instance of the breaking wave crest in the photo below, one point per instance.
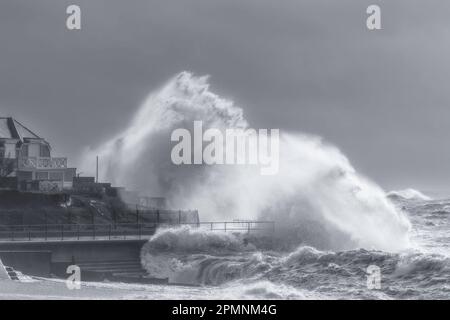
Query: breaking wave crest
(196, 256)
(408, 194)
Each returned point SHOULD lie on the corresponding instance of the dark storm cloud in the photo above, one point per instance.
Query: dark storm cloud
(299, 65)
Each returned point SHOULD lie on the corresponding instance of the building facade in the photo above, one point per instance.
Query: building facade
(27, 156)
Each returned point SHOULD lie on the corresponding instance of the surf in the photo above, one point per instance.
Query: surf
(317, 198)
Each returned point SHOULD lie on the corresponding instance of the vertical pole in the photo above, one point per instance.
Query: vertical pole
(137, 215)
(96, 171)
(179, 216)
(197, 218)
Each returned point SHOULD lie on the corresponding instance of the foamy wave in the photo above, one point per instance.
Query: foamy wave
(195, 256)
(408, 194)
(411, 264)
(265, 289)
(199, 257)
(186, 239)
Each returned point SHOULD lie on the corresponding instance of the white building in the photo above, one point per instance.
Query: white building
(28, 156)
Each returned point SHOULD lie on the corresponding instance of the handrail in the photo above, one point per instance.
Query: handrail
(134, 224)
(109, 231)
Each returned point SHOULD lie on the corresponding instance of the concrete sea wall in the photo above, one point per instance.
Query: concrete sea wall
(53, 257)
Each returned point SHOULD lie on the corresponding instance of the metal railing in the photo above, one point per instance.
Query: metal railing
(122, 231)
(43, 162)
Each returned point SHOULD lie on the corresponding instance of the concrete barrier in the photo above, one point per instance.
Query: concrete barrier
(33, 263)
(53, 257)
(3, 273)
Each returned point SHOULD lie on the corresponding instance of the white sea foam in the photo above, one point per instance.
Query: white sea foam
(408, 194)
(316, 198)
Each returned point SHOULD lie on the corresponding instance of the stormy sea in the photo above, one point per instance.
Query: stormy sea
(333, 226)
(202, 264)
(259, 270)
(331, 222)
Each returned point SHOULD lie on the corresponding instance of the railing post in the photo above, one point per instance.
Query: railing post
(93, 231)
(225, 226)
(69, 213)
(29, 235)
(62, 232)
(78, 231)
(137, 214)
(109, 235)
(46, 232)
(179, 216)
(211, 226)
(139, 231)
(248, 227)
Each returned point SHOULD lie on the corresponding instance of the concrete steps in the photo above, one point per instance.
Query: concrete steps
(129, 271)
(112, 270)
(12, 274)
(111, 266)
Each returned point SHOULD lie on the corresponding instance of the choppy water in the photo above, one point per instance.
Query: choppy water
(212, 265)
(321, 205)
(224, 264)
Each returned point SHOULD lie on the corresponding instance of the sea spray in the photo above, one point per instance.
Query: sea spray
(316, 197)
(196, 256)
(408, 194)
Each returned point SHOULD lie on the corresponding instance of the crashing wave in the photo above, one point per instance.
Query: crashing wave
(191, 256)
(200, 257)
(317, 198)
(408, 194)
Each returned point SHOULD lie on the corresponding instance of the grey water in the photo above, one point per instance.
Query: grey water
(221, 264)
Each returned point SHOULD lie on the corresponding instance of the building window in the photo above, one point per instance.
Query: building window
(44, 151)
(42, 175)
(24, 151)
(56, 176)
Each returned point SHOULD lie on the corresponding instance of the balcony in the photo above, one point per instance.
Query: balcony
(42, 163)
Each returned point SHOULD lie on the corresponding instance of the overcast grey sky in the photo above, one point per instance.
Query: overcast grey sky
(383, 96)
